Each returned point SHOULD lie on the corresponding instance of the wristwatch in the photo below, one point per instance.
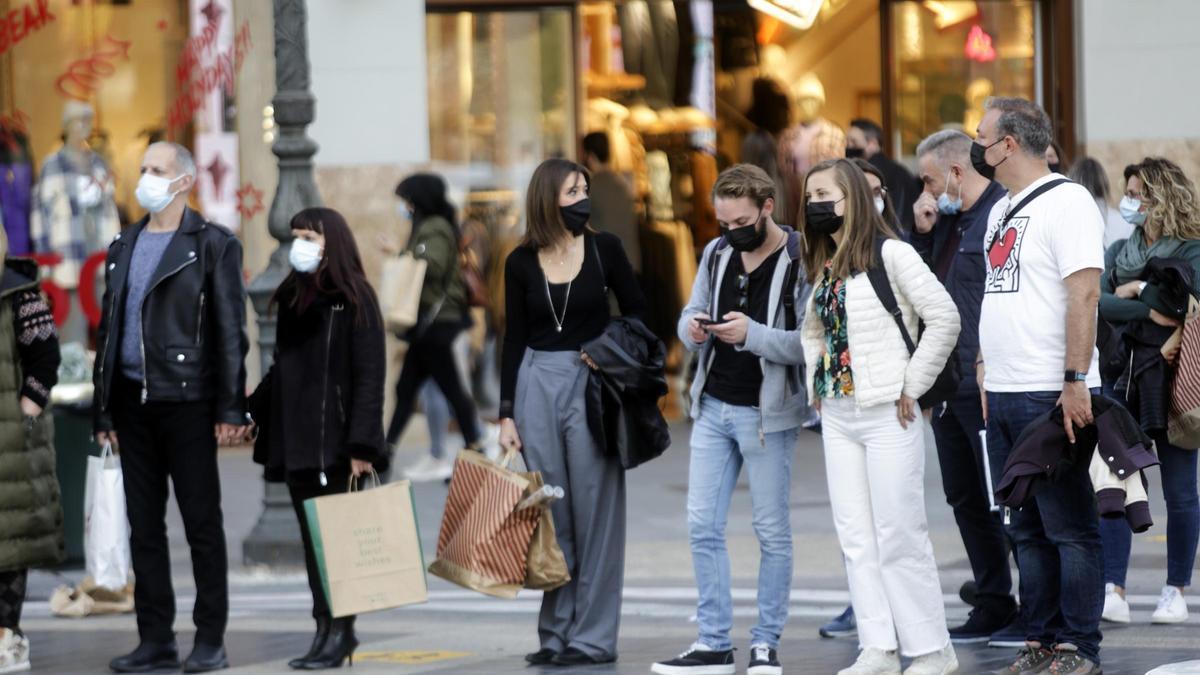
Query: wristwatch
(1074, 376)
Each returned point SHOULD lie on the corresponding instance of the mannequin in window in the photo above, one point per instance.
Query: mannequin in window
(74, 214)
(16, 187)
(813, 139)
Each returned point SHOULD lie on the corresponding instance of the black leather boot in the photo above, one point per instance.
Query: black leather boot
(147, 658)
(205, 659)
(339, 646)
(318, 641)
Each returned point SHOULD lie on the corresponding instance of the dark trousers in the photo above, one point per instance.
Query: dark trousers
(431, 356)
(1056, 534)
(12, 598)
(302, 490)
(960, 455)
(176, 440)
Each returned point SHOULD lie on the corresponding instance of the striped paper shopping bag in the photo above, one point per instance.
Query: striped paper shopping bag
(484, 541)
(1183, 422)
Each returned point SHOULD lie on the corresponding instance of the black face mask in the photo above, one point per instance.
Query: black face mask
(746, 239)
(855, 153)
(822, 218)
(980, 163)
(576, 216)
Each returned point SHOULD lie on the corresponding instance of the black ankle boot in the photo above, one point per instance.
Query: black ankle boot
(339, 646)
(318, 641)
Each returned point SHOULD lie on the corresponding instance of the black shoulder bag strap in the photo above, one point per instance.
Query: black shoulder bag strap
(1044, 187)
(878, 277)
(600, 262)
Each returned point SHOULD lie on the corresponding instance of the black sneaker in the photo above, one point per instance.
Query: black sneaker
(764, 661)
(968, 592)
(1012, 636)
(981, 625)
(698, 660)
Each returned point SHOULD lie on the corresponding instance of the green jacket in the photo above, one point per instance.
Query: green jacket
(1122, 310)
(31, 516)
(435, 242)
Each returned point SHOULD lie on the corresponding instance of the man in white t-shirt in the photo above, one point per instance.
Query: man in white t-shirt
(1037, 334)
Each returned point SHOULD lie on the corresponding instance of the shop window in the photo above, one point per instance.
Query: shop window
(501, 93)
(119, 57)
(947, 57)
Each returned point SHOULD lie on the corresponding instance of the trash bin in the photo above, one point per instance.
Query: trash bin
(72, 445)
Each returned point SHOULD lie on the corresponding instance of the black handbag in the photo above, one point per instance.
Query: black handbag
(946, 385)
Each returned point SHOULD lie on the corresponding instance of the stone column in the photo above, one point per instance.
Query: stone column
(275, 539)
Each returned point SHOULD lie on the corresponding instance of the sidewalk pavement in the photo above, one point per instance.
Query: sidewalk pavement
(462, 632)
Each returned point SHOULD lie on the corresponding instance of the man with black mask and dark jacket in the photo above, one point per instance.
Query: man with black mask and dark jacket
(170, 385)
(950, 218)
(865, 139)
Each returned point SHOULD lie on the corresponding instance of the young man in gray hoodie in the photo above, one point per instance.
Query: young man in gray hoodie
(748, 406)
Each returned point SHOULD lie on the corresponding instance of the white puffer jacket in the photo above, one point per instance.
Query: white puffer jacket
(879, 359)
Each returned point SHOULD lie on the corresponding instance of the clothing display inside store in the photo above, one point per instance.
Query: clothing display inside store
(16, 188)
(639, 70)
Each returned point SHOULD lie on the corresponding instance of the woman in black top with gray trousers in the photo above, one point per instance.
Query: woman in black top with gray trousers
(556, 286)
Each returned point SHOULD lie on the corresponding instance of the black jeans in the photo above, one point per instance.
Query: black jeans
(302, 490)
(431, 356)
(160, 440)
(960, 455)
(12, 598)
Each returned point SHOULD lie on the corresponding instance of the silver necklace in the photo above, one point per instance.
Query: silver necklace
(558, 322)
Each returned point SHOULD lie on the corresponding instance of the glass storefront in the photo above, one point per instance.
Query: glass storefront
(948, 57)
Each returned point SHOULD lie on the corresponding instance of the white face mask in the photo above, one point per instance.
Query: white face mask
(879, 205)
(1131, 210)
(154, 192)
(305, 256)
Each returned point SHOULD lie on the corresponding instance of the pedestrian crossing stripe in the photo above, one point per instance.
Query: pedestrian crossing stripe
(410, 658)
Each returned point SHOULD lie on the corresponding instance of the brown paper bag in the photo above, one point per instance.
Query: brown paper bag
(545, 568)
(368, 548)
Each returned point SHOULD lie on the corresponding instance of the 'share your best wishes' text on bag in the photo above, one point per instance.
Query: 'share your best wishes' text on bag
(367, 547)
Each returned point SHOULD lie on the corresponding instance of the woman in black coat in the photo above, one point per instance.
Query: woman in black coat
(319, 410)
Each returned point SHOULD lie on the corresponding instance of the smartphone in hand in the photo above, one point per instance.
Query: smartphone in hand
(709, 322)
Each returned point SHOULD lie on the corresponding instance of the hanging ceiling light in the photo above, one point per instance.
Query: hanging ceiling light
(948, 13)
(799, 14)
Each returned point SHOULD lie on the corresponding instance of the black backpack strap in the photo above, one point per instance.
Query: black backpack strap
(883, 290)
(1044, 187)
(789, 282)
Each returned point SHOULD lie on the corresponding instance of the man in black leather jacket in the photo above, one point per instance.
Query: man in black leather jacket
(170, 384)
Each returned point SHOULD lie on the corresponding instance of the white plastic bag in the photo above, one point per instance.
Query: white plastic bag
(105, 527)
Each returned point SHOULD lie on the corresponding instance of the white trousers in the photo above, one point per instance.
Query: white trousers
(876, 473)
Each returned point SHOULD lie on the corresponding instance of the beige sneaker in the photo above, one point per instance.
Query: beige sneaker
(873, 661)
(14, 652)
(1032, 660)
(1068, 661)
(942, 662)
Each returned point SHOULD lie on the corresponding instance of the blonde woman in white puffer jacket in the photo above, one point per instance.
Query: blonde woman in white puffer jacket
(866, 385)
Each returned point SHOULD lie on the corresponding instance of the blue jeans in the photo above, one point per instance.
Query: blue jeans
(1178, 475)
(1057, 536)
(724, 438)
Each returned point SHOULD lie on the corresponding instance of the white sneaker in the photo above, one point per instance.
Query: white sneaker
(874, 661)
(1116, 608)
(1172, 608)
(942, 662)
(14, 652)
(429, 468)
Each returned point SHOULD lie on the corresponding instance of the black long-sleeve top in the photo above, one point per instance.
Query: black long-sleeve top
(530, 320)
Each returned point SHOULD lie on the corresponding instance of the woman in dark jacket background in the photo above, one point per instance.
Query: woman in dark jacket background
(319, 410)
